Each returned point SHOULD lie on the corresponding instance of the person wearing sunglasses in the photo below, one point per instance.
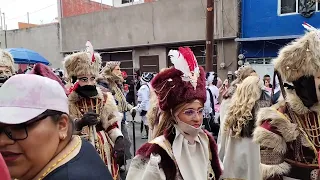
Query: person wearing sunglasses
(36, 130)
(181, 149)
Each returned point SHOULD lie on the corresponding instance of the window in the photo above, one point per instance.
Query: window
(298, 6)
(266, 60)
(126, 1)
(288, 6)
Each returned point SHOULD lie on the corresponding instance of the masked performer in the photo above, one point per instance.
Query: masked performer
(289, 131)
(182, 149)
(6, 66)
(112, 79)
(242, 156)
(95, 113)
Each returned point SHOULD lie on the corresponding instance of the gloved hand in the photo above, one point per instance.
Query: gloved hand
(133, 112)
(118, 151)
(88, 119)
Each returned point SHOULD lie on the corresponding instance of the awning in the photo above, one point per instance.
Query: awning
(267, 38)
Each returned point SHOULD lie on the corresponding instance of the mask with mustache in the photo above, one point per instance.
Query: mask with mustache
(306, 90)
(87, 91)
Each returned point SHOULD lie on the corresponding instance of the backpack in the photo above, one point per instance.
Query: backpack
(209, 121)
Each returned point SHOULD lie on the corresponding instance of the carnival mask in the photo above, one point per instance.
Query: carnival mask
(87, 91)
(306, 90)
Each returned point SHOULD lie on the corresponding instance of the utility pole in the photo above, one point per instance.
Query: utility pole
(209, 36)
(1, 21)
(4, 21)
(28, 17)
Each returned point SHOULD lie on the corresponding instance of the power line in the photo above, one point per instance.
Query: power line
(31, 12)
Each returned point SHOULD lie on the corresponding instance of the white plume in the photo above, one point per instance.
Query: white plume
(90, 50)
(308, 27)
(179, 62)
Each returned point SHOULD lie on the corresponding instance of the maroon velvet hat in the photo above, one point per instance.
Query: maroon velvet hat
(45, 71)
(182, 83)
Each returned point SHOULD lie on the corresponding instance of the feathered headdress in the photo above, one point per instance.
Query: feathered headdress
(301, 57)
(185, 61)
(182, 83)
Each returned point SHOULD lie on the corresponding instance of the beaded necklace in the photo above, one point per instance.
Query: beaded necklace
(59, 160)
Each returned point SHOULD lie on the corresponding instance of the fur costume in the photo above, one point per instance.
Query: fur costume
(6, 66)
(113, 83)
(81, 64)
(288, 132)
(6, 60)
(159, 159)
(103, 135)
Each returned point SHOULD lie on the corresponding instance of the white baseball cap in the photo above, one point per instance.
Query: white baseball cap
(26, 96)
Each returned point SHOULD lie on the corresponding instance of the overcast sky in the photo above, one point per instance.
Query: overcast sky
(40, 11)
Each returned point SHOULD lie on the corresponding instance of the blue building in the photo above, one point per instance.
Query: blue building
(268, 25)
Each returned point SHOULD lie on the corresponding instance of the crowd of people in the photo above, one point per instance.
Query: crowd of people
(73, 125)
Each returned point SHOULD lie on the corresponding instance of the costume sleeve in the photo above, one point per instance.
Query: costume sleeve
(145, 169)
(110, 118)
(273, 131)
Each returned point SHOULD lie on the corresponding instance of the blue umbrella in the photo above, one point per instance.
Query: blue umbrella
(27, 56)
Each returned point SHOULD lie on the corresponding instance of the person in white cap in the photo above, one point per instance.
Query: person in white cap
(143, 101)
(96, 114)
(6, 66)
(36, 138)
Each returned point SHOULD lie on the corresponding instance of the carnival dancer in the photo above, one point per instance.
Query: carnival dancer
(182, 150)
(242, 157)
(6, 66)
(243, 72)
(95, 113)
(288, 132)
(111, 78)
(143, 102)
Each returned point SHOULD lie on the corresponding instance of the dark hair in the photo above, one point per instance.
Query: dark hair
(267, 75)
(55, 116)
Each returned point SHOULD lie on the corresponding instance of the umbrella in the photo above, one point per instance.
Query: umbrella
(27, 56)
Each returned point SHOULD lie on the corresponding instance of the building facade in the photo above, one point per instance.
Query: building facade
(140, 36)
(266, 26)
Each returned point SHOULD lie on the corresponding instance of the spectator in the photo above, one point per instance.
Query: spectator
(36, 140)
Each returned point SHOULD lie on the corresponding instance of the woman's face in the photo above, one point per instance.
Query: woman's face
(192, 114)
(25, 158)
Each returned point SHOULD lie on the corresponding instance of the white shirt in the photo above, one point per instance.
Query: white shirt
(215, 93)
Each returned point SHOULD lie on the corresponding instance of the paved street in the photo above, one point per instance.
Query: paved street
(138, 139)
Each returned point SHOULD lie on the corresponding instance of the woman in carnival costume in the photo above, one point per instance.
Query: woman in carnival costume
(181, 149)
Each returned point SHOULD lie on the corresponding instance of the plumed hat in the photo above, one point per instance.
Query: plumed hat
(182, 83)
(110, 65)
(301, 57)
(83, 63)
(6, 60)
(45, 71)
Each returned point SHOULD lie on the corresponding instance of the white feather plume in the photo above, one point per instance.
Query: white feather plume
(90, 50)
(308, 27)
(179, 62)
